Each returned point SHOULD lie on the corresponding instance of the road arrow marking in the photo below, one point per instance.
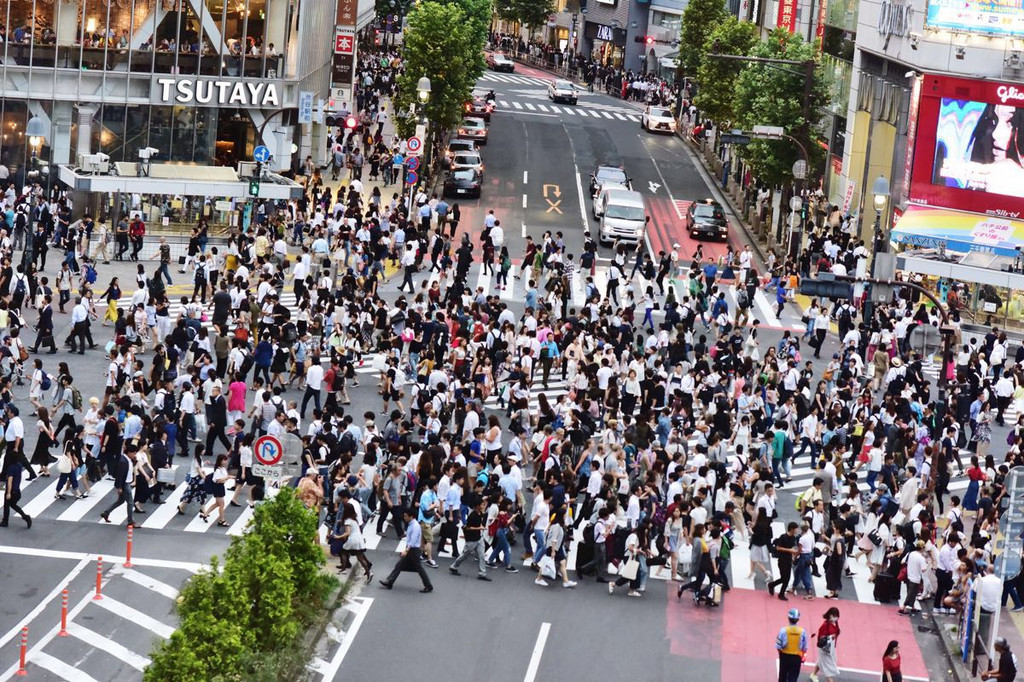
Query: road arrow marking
(555, 189)
(653, 186)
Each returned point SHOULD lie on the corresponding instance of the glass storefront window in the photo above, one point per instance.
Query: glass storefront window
(672, 22)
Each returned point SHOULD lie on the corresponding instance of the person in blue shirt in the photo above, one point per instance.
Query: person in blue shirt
(429, 511)
(411, 559)
(531, 295)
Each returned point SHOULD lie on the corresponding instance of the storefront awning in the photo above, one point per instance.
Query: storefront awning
(178, 179)
(943, 228)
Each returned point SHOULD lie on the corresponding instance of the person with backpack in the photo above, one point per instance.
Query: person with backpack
(67, 400)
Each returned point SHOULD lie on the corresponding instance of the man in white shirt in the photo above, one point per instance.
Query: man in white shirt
(314, 382)
(917, 563)
(80, 326)
(539, 520)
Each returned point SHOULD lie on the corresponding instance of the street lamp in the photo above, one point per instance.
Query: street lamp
(423, 88)
(879, 244)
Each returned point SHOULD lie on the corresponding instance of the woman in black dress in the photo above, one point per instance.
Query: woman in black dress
(41, 455)
(836, 561)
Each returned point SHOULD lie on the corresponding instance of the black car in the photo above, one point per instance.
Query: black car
(706, 219)
(464, 182)
(603, 174)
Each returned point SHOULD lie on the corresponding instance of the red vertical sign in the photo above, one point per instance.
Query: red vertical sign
(787, 15)
(822, 15)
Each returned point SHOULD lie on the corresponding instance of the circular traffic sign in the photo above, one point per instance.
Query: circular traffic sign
(411, 178)
(413, 163)
(261, 154)
(414, 143)
(268, 450)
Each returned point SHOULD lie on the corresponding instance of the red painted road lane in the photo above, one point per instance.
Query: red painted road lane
(742, 634)
(669, 227)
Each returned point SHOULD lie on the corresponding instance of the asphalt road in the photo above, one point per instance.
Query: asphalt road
(538, 163)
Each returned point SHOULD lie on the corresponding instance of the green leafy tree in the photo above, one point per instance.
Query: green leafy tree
(244, 622)
(439, 44)
(478, 16)
(533, 13)
(699, 19)
(768, 94)
(717, 77)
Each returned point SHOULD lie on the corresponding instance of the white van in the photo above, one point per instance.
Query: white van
(622, 215)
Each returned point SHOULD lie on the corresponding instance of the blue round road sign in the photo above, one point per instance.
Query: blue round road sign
(268, 450)
(413, 163)
(411, 178)
(261, 154)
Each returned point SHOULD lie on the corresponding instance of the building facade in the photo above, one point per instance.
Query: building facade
(201, 81)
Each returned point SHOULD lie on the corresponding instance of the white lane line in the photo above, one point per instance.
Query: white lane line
(89, 556)
(162, 515)
(145, 581)
(360, 607)
(524, 201)
(98, 641)
(59, 667)
(526, 174)
(238, 527)
(46, 601)
(82, 507)
(135, 616)
(538, 651)
(583, 209)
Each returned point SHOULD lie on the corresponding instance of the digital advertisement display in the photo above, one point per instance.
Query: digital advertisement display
(996, 17)
(968, 151)
(978, 147)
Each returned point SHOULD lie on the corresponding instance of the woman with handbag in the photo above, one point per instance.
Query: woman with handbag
(215, 484)
(552, 563)
(828, 633)
(145, 478)
(196, 479)
(68, 464)
(629, 570)
(347, 540)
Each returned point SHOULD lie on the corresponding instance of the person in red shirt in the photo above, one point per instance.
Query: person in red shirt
(891, 663)
(828, 634)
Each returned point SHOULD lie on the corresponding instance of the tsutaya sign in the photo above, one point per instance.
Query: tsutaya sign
(258, 94)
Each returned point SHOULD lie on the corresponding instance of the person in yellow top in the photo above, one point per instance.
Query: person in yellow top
(791, 644)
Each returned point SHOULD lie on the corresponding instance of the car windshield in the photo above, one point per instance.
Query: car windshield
(661, 113)
(501, 58)
(705, 211)
(472, 123)
(624, 212)
(563, 85)
(611, 175)
(466, 174)
(467, 160)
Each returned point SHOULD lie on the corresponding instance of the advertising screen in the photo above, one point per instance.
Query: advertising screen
(996, 17)
(978, 147)
(968, 150)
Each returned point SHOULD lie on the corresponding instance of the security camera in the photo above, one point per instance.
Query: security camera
(102, 158)
(910, 74)
(148, 152)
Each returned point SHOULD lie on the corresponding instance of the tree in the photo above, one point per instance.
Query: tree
(439, 44)
(717, 77)
(532, 13)
(768, 94)
(478, 16)
(244, 622)
(699, 19)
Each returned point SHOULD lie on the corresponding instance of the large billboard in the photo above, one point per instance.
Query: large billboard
(969, 147)
(995, 17)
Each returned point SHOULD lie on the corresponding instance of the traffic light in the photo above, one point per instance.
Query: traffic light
(825, 285)
(254, 187)
(649, 40)
(332, 120)
(351, 123)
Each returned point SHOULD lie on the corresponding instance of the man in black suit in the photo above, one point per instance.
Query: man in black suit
(218, 421)
(124, 479)
(44, 327)
(221, 305)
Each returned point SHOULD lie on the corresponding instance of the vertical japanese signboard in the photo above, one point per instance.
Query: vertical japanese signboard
(344, 61)
(787, 15)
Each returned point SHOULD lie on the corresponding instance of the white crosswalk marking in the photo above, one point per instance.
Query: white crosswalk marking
(621, 117)
(606, 115)
(517, 105)
(570, 110)
(530, 107)
(80, 508)
(544, 108)
(502, 103)
(582, 112)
